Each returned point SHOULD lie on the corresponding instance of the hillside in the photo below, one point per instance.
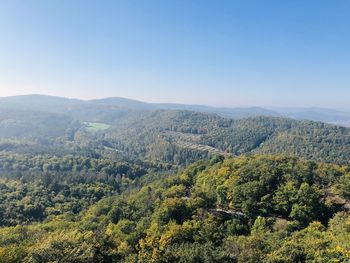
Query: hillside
(99, 182)
(173, 136)
(247, 209)
(165, 137)
(104, 109)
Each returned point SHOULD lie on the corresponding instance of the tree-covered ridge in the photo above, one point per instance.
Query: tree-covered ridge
(312, 140)
(35, 124)
(179, 137)
(170, 137)
(111, 109)
(247, 209)
(33, 188)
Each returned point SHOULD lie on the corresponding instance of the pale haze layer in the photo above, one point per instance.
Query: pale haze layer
(221, 53)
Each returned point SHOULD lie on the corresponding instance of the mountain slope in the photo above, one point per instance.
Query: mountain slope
(113, 105)
(177, 133)
(246, 209)
(164, 136)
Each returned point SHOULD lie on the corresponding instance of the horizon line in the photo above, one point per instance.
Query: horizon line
(177, 103)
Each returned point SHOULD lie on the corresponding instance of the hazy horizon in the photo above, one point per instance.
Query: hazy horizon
(227, 54)
(283, 108)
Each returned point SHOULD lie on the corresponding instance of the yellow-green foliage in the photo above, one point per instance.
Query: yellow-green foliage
(246, 209)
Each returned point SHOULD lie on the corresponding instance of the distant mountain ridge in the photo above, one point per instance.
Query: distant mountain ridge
(225, 112)
(161, 133)
(62, 105)
(316, 114)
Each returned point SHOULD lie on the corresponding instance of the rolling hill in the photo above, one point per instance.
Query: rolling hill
(133, 129)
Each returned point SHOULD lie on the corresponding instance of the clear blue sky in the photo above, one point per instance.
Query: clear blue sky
(224, 53)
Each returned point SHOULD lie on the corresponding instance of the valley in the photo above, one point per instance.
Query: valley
(123, 184)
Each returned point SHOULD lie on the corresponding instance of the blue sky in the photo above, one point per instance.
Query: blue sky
(222, 53)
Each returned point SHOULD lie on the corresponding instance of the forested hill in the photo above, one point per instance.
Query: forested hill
(247, 209)
(177, 136)
(95, 182)
(159, 136)
(109, 108)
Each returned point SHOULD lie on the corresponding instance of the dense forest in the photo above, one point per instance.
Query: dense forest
(166, 137)
(256, 208)
(121, 181)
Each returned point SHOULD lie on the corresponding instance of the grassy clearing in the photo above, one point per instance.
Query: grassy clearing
(96, 126)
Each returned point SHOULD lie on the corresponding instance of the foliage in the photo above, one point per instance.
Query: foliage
(247, 209)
